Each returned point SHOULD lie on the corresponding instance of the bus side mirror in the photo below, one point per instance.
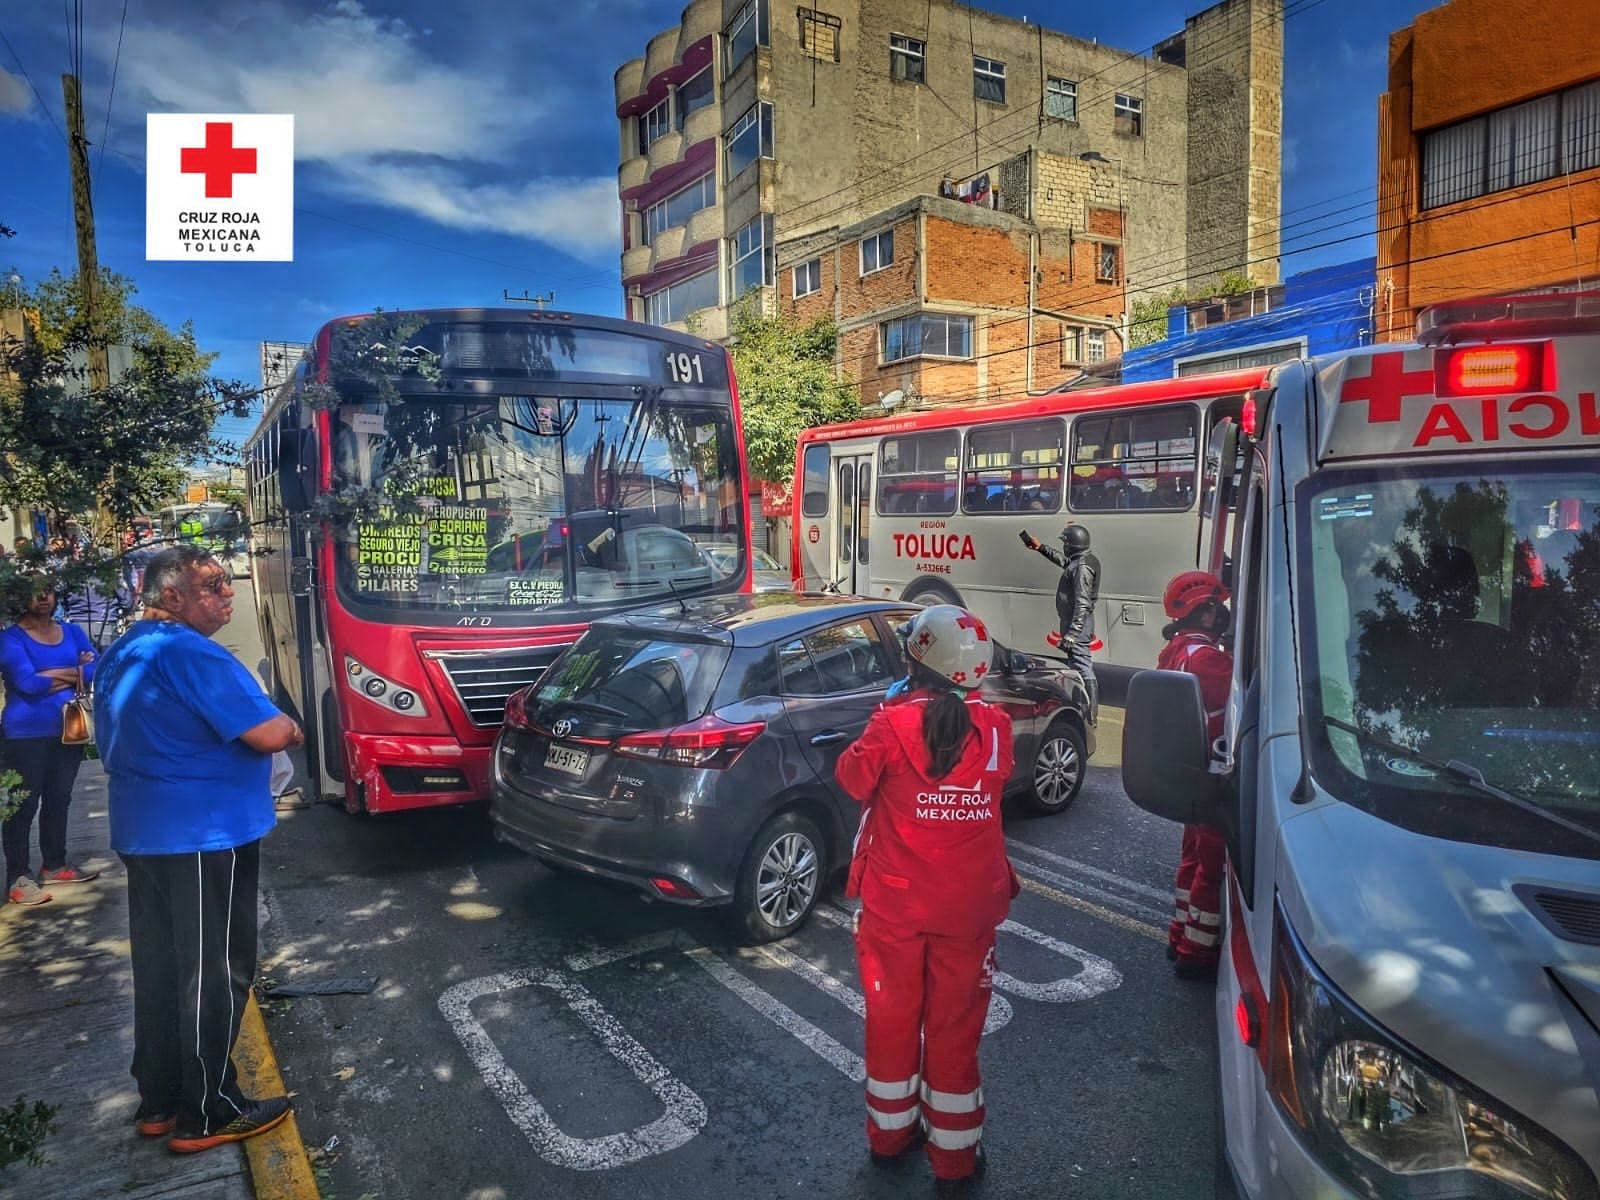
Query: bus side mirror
(1165, 758)
(294, 471)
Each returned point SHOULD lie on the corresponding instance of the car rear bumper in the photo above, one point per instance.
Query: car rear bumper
(696, 852)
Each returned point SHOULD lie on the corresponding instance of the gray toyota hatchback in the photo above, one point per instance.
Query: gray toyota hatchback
(688, 750)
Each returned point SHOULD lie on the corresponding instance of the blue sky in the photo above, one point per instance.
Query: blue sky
(446, 152)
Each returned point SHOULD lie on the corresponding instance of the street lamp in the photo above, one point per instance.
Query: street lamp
(1094, 156)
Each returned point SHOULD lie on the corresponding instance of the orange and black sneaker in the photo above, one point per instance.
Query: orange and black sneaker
(258, 1117)
(154, 1124)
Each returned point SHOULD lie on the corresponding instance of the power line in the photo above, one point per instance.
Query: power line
(105, 135)
(18, 60)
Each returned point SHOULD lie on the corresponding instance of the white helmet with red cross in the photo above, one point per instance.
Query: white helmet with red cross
(951, 642)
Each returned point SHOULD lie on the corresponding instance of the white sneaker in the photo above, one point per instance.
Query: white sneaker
(26, 891)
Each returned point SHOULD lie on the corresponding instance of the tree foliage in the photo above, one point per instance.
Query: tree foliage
(121, 448)
(786, 385)
(1147, 317)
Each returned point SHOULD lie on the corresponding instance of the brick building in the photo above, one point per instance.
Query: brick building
(750, 127)
(1488, 155)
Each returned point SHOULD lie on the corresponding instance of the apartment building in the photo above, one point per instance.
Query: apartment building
(752, 127)
(1488, 155)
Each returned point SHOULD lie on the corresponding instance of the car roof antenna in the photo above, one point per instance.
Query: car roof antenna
(682, 606)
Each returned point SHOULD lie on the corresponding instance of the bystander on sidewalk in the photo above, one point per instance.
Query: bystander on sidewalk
(66, 1038)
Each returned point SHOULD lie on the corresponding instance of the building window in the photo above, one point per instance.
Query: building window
(917, 473)
(819, 34)
(1014, 468)
(1105, 270)
(1061, 99)
(877, 251)
(654, 125)
(1128, 114)
(746, 31)
(693, 95)
(1095, 346)
(750, 138)
(679, 207)
(989, 80)
(1525, 143)
(1264, 356)
(676, 302)
(907, 59)
(750, 257)
(930, 335)
(807, 278)
(1071, 345)
(1138, 460)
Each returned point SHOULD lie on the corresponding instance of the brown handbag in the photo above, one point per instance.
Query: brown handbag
(77, 717)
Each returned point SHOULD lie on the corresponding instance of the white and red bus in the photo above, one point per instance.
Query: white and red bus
(927, 506)
(442, 501)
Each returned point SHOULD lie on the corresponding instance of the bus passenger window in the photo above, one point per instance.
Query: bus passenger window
(917, 473)
(1135, 460)
(814, 483)
(1013, 468)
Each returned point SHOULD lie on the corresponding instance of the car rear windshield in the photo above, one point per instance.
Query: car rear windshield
(618, 680)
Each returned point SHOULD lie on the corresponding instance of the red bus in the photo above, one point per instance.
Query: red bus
(943, 494)
(443, 499)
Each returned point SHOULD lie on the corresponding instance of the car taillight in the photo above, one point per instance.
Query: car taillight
(708, 742)
(517, 710)
(1493, 370)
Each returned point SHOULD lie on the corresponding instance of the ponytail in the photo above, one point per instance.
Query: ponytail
(946, 723)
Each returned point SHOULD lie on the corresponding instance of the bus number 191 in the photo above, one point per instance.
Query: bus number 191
(685, 368)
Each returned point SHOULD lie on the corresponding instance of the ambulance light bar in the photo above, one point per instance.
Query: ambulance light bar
(1493, 370)
(1497, 318)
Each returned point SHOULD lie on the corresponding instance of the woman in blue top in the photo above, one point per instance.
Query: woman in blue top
(39, 662)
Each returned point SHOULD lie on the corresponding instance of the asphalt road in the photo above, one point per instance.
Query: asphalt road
(535, 1035)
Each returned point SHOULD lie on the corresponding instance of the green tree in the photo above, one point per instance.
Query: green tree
(786, 385)
(70, 448)
(1147, 317)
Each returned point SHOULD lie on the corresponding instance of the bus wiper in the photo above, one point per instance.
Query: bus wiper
(1466, 773)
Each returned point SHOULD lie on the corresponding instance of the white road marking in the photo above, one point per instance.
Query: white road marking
(842, 1059)
(1131, 907)
(1097, 976)
(685, 1113)
(1083, 868)
(600, 956)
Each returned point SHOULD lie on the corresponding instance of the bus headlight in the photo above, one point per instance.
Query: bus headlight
(385, 693)
(1384, 1118)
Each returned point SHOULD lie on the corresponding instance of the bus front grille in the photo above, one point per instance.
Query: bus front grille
(485, 679)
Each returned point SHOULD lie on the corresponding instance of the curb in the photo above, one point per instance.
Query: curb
(279, 1167)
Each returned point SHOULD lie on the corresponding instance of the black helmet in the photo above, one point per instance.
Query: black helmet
(1075, 537)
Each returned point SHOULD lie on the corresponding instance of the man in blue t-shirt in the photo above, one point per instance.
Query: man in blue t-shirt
(187, 738)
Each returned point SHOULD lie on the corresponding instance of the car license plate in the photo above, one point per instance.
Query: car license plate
(568, 759)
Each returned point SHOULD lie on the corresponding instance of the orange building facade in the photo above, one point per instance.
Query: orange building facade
(1488, 155)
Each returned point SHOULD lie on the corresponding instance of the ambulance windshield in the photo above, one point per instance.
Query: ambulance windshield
(1456, 613)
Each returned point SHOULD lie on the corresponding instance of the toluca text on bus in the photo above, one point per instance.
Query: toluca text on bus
(1408, 780)
(444, 498)
(944, 494)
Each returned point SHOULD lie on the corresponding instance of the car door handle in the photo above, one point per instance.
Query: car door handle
(829, 737)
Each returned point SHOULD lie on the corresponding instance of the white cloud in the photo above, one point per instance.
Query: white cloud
(14, 95)
(386, 121)
(579, 216)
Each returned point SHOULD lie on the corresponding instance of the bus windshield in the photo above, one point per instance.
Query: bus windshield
(537, 502)
(1454, 630)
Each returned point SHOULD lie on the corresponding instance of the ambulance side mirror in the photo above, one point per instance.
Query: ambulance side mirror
(1165, 756)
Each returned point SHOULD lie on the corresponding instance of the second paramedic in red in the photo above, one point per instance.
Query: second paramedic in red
(931, 870)
(1196, 601)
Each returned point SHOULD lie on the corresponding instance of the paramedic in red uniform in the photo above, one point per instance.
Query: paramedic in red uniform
(930, 867)
(1196, 601)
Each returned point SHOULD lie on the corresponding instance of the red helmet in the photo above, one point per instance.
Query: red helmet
(1189, 590)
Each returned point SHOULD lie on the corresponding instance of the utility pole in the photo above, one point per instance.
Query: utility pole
(83, 218)
(541, 301)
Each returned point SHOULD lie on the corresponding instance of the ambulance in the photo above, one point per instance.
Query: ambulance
(1408, 1001)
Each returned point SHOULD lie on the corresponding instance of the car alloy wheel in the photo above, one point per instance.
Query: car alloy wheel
(781, 879)
(1057, 768)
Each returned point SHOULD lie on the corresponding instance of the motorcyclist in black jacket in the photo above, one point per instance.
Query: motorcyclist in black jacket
(1076, 594)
